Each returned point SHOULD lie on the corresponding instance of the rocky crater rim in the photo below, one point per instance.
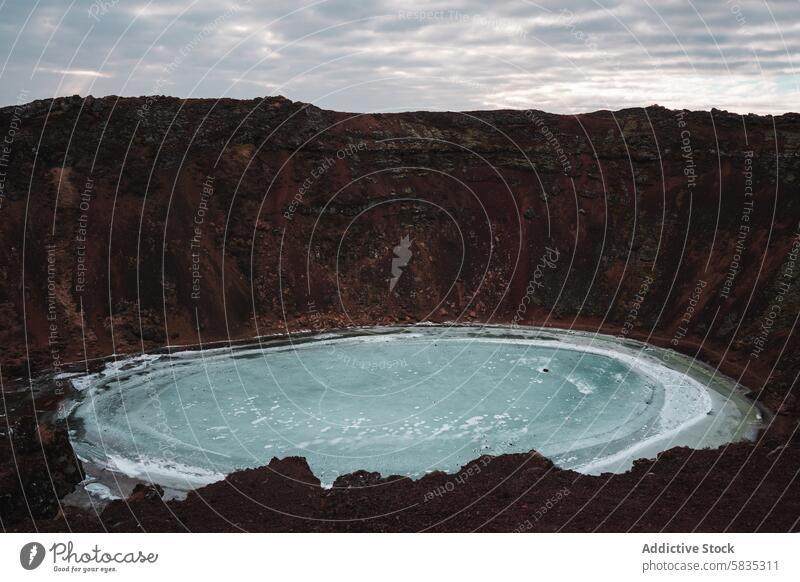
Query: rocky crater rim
(69, 101)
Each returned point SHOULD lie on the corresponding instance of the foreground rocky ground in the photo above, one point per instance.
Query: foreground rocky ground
(742, 488)
(134, 224)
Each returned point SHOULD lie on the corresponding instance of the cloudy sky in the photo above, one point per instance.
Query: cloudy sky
(380, 55)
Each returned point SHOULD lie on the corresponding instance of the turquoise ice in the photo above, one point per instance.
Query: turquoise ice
(401, 401)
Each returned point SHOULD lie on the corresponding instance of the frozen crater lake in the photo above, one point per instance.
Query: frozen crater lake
(401, 401)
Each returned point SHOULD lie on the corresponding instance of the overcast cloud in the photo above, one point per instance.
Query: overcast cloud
(565, 56)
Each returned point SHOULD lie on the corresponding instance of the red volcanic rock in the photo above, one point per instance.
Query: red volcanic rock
(137, 223)
(736, 488)
(37, 468)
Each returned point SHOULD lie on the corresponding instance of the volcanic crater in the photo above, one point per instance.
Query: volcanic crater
(151, 227)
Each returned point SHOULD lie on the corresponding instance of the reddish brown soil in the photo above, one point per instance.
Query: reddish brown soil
(481, 194)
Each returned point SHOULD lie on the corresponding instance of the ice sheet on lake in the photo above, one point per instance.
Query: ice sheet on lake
(401, 401)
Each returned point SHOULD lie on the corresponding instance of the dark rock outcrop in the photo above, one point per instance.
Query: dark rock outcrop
(37, 469)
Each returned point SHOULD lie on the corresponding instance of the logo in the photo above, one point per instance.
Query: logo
(402, 256)
(31, 555)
